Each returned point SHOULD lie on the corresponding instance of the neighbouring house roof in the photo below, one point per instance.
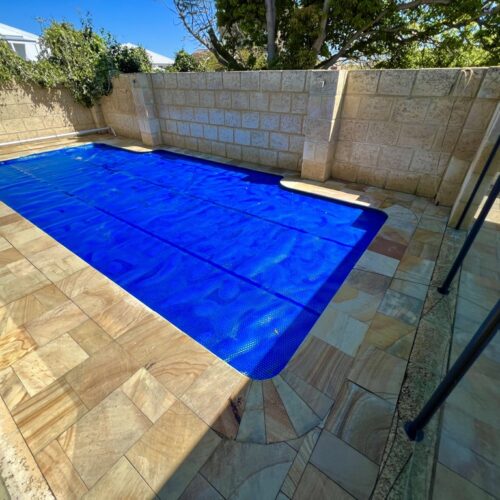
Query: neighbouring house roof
(22, 42)
(155, 58)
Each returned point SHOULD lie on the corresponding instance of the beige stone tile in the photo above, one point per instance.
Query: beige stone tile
(300, 462)
(120, 482)
(55, 322)
(81, 281)
(278, 425)
(40, 368)
(245, 470)
(122, 316)
(90, 336)
(14, 345)
(378, 372)
(20, 473)
(178, 362)
(344, 465)
(101, 374)
(340, 330)
(318, 486)
(170, 454)
(321, 365)
(415, 269)
(391, 335)
(107, 432)
(218, 397)
(362, 420)
(57, 262)
(9, 256)
(96, 299)
(12, 391)
(377, 263)
(18, 279)
(43, 417)
(402, 307)
(59, 472)
(450, 486)
(148, 394)
(200, 488)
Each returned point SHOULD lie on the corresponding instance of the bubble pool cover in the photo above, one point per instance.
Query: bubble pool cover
(239, 263)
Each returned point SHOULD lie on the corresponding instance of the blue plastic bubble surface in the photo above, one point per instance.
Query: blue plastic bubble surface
(242, 265)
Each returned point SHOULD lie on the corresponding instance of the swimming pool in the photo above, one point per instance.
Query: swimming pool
(229, 256)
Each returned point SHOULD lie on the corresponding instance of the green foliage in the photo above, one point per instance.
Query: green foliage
(80, 60)
(185, 62)
(315, 33)
(130, 59)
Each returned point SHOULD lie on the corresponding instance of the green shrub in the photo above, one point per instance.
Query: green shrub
(185, 62)
(130, 59)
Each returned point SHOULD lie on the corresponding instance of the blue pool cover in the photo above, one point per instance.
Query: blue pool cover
(239, 263)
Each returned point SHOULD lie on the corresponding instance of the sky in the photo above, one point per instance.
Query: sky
(150, 23)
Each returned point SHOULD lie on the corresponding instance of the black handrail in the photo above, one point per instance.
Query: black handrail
(445, 287)
(486, 332)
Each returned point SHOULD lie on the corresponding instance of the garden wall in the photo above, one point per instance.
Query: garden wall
(29, 112)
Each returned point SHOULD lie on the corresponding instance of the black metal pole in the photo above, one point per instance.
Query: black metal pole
(445, 287)
(485, 333)
(489, 161)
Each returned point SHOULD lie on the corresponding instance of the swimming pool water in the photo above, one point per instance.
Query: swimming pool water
(239, 263)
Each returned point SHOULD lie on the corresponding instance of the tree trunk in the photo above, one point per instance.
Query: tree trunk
(271, 31)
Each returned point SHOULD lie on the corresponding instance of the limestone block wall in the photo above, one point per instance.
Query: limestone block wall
(414, 130)
(119, 109)
(29, 112)
(252, 116)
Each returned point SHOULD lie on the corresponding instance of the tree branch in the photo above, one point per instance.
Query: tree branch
(320, 39)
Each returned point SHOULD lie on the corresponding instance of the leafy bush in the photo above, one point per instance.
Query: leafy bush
(185, 62)
(130, 59)
(80, 60)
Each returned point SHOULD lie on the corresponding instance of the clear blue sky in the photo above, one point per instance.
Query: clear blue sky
(150, 23)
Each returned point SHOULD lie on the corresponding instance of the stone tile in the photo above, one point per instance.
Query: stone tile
(93, 301)
(42, 367)
(300, 414)
(387, 247)
(218, 397)
(391, 335)
(362, 420)
(321, 365)
(344, 465)
(81, 281)
(101, 374)
(9, 256)
(244, 470)
(57, 262)
(14, 346)
(107, 432)
(378, 372)
(278, 425)
(18, 279)
(410, 288)
(417, 269)
(121, 481)
(200, 488)
(59, 472)
(148, 394)
(20, 473)
(43, 417)
(17, 313)
(314, 484)
(450, 486)
(55, 322)
(340, 330)
(178, 363)
(252, 427)
(402, 307)
(12, 391)
(123, 316)
(299, 464)
(170, 454)
(90, 336)
(377, 263)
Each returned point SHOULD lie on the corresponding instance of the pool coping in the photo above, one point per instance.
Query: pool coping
(385, 289)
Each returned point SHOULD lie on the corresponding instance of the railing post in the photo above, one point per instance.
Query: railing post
(445, 287)
(485, 333)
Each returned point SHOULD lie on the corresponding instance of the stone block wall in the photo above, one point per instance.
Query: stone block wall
(414, 130)
(29, 112)
(251, 116)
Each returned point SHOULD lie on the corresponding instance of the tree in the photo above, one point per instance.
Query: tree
(130, 59)
(321, 33)
(185, 62)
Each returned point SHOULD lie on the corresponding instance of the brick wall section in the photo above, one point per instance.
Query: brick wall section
(252, 116)
(29, 112)
(409, 129)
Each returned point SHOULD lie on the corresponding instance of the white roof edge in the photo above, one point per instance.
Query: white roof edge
(7, 31)
(153, 56)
